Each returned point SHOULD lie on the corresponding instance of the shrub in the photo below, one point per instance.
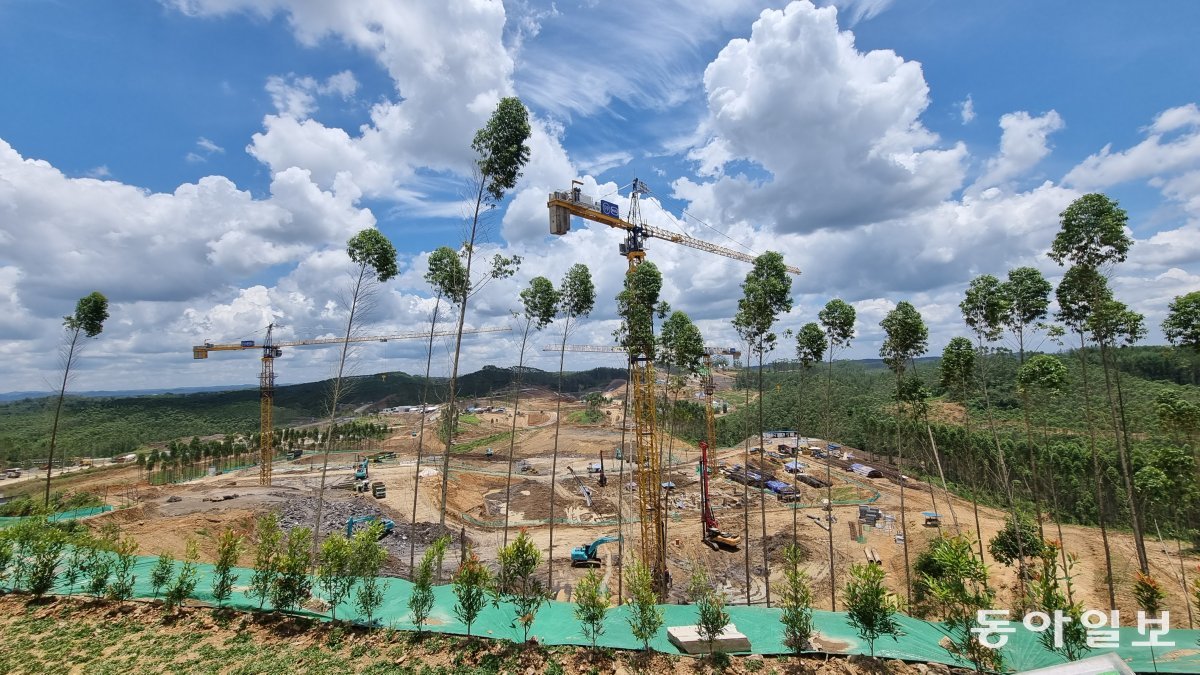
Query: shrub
(161, 574)
(591, 605)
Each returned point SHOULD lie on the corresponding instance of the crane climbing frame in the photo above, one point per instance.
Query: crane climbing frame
(562, 206)
(270, 350)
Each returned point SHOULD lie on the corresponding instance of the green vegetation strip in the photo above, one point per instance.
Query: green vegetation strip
(65, 515)
(556, 624)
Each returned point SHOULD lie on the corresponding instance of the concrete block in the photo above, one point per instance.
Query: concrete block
(688, 639)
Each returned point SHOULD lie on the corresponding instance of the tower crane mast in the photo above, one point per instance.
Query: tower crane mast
(271, 350)
(563, 205)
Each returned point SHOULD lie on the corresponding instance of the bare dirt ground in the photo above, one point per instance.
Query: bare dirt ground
(476, 509)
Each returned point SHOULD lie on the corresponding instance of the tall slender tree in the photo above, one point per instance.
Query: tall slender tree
(680, 347)
(539, 302)
(837, 318)
(810, 349)
(766, 293)
(501, 153)
(906, 338)
(958, 371)
(1093, 235)
(1027, 295)
(1075, 302)
(87, 322)
(375, 260)
(984, 310)
(576, 298)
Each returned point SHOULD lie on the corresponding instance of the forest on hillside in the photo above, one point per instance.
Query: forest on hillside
(104, 427)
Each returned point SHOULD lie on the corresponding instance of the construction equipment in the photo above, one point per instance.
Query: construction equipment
(361, 472)
(603, 481)
(378, 489)
(271, 350)
(649, 460)
(584, 556)
(564, 204)
(388, 525)
(711, 534)
(583, 489)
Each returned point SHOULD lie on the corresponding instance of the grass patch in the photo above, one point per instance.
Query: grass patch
(586, 417)
(493, 440)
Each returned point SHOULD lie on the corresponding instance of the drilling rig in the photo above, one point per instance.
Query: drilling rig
(563, 205)
(272, 350)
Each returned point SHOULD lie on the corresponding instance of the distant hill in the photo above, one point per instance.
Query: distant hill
(123, 393)
(107, 425)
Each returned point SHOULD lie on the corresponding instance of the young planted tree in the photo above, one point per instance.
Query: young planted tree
(797, 602)
(539, 303)
(420, 602)
(711, 617)
(1076, 301)
(368, 558)
(1018, 543)
(375, 258)
(97, 568)
(87, 322)
(229, 547)
(1051, 592)
(267, 558)
(471, 584)
(162, 572)
(516, 583)
(73, 568)
(292, 583)
(184, 584)
(960, 591)
(644, 616)
(837, 319)
(576, 297)
(906, 338)
(592, 601)
(1092, 236)
(335, 571)
(870, 607)
(121, 588)
(766, 293)
(501, 152)
(42, 553)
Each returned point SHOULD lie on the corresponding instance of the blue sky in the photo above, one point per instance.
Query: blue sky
(202, 162)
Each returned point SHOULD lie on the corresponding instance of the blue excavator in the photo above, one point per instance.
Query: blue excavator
(360, 472)
(582, 556)
(389, 525)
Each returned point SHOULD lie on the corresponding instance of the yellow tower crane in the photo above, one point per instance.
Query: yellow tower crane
(563, 205)
(266, 378)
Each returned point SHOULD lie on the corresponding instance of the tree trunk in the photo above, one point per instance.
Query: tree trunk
(745, 476)
(333, 406)
(452, 402)
(412, 549)
(762, 493)
(828, 477)
(621, 489)
(62, 392)
(512, 441)
(903, 510)
(562, 355)
(1139, 526)
(1096, 472)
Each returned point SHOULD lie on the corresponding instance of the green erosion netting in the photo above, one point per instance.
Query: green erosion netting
(65, 515)
(556, 625)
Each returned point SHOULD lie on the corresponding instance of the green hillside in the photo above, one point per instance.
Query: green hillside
(104, 427)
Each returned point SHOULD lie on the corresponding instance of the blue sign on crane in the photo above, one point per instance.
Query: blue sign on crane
(609, 209)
